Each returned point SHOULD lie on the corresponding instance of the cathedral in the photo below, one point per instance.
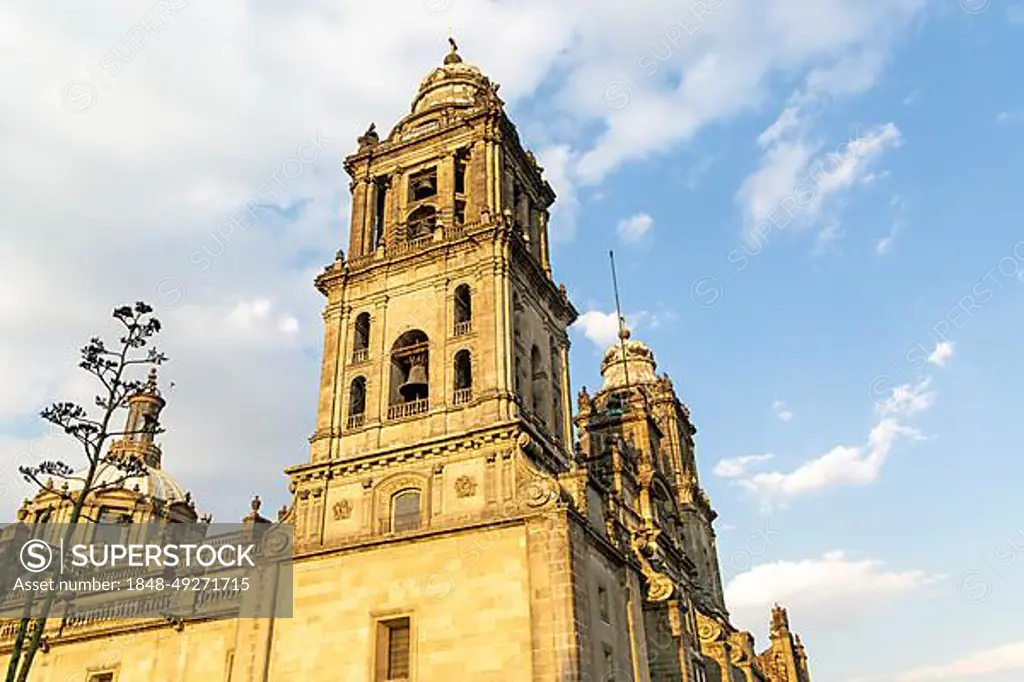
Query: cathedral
(460, 515)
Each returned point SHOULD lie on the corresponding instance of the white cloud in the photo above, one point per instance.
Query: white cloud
(842, 464)
(632, 229)
(722, 69)
(1005, 658)
(288, 324)
(942, 353)
(603, 328)
(736, 467)
(884, 245)
(798, 179)
(827, 238)
(872, 178)
(908, 399)
(698, 171)
(826, 591)
(782, 410)
(558, 164)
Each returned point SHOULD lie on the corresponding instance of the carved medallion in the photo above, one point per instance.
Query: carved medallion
(465, 486)
(342, 510)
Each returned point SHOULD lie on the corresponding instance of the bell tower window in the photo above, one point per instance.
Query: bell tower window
(361, 342)
(463, 310)
(380, 206)
(460, 175)
(423, 185)
(357, 403)
(463, 377)
(421, 222)
(410, 387)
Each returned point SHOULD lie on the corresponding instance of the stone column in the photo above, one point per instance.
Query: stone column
(329, 368)
(446, 189)
(357, 226)
(340, 385)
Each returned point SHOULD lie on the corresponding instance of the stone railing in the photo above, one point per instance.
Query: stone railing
(360, 355)
(462, 328)
(462, 396)
(408, 409)
(404, 247)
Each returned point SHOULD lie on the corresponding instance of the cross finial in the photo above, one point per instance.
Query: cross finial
(453, 56)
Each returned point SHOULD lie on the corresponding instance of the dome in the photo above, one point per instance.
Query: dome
(454, 83)
(155, 483)
(638, 364)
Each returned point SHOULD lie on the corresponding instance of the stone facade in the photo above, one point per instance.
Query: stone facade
(447, 524)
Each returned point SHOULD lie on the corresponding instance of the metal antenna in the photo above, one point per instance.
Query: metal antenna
(622, 322)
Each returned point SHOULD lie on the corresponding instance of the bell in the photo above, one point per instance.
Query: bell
(415, 387)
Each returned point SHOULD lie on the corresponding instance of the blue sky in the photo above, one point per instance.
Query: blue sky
(817, 330)
(896, 126)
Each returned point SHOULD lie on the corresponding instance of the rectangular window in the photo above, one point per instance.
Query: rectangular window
(102, 677)
(460, 176)
(602, 603)
(394, 650)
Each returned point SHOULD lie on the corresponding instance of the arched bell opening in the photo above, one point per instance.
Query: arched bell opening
(410, 369)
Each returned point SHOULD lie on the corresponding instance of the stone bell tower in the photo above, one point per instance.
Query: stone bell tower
(445, 315)
(430, 507)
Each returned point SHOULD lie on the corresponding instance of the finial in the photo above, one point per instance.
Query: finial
(368, 139)
(256, 502)
(453, 56)
(624, 333)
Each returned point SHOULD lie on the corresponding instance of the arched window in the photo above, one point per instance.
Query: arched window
(357, 403)
(380, 186)
(421, 222)
(361, 343)
(410, 374)
(539, 384)
(405, 510)
(463, 310)
(463, 377)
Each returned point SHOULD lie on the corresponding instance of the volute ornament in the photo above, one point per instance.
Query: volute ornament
(708, 630)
